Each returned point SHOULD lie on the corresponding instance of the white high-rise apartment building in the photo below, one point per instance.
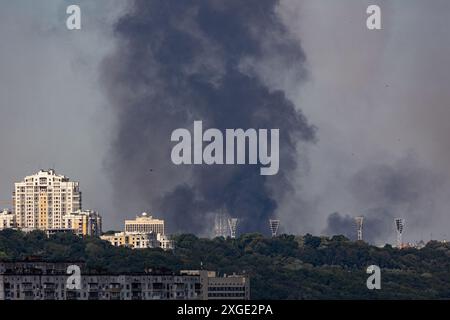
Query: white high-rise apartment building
(43, 199)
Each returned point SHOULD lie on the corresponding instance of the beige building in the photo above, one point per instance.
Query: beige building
(134, 240)
(231, 287)
(43, 199)
(7, 219)
(139, 240)
(140, 233)
(145, 224)
(83, 223)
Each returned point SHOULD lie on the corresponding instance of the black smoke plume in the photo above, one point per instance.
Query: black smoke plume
(180, 61)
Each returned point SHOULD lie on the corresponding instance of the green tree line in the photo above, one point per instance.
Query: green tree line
(284, 267)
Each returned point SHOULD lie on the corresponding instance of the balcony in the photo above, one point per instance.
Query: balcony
(93, 295)
(92, 286)
(48, 286)
(49, 295)
(26, 286)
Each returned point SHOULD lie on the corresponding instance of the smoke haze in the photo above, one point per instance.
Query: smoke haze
(177, 62)
(363, 115)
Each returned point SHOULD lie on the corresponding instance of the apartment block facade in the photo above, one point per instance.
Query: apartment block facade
(83, 223)
(48, 281)
(231, 287)
(43, 199)
(7, 220)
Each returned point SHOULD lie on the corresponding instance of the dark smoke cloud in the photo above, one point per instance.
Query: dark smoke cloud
(384, 192)
(378, 224)
(180, 61)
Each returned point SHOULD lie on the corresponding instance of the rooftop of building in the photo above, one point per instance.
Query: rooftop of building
(83, 212)
(126, 233)
(145, 217)
(47, 173)
(37, 266)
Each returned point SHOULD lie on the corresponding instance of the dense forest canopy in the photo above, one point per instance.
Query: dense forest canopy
(285, 267)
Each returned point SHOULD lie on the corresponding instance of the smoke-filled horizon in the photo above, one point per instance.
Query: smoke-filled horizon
(178, 62)
(363, 115)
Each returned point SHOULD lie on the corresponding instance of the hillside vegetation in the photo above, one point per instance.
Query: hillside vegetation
(285, 267)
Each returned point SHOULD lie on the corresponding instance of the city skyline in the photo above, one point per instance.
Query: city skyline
(144, 231)
(377, 100)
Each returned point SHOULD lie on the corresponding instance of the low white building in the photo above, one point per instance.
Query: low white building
(144, 224)
(140, 233)
(134, 240)
(139, 240)
(164, 242)
(7, 219)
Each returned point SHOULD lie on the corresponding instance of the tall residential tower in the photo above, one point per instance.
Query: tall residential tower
(43, 199)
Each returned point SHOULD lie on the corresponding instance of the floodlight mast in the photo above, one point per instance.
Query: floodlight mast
(232, 224)
(399, 227)
(359, 227)
(220, 224)
(274, 224)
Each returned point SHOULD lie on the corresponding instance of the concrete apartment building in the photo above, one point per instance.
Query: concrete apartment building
(25, 280)
(43, 199)
(231, 287)
(7, 220)
(83, 223)
(51, 202)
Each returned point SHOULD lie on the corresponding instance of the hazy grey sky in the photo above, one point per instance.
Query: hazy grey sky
(378, 98)
(52, 113)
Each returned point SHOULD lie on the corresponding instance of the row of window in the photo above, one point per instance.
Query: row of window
(226, 295)
(226, 288)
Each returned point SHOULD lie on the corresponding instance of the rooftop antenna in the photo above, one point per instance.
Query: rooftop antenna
(399, 227)
(274, 224)
(359, 227)
(232, 224)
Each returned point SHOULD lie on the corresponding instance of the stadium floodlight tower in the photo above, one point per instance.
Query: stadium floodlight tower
(274, 224)
(399, 227)
(232, 224)
(220, 225)
(359, 227)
